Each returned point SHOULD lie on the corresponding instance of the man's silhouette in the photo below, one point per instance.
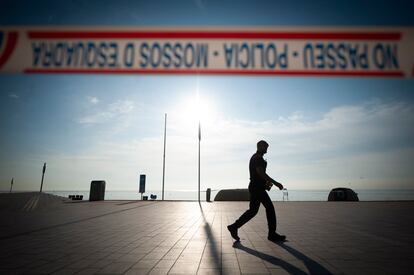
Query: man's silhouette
(259, 183)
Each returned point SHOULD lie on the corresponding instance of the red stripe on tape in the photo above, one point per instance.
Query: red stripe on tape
(11, 43)
(215, 35)
(217, 72)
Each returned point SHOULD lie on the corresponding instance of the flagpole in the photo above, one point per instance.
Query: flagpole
(199, 142)
(43, 176)
(163, 161)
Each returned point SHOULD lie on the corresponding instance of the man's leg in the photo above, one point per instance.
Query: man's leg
(270, 212)
(248, 215)
(251, 212)
(271, 218)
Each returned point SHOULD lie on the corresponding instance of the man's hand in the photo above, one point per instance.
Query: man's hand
(279, 185)
(269, 185)
(269, 180)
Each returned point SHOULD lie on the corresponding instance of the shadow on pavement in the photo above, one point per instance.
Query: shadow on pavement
(271, 259)
(211, 240)
(313, 266)
(76, 220)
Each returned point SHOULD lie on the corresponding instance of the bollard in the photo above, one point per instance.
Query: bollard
(208, 194)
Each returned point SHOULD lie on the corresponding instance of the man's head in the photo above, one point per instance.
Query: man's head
(262, 147)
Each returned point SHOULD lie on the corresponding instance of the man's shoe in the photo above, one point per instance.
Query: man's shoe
(276, 237)
(233, 232)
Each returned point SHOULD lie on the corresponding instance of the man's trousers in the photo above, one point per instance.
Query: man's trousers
(256, 198)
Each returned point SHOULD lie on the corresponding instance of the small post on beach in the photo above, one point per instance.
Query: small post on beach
(11, 185)
(199, 141)
(43, 176)
(163, 160)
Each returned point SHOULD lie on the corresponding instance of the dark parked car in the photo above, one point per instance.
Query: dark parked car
(342, 194)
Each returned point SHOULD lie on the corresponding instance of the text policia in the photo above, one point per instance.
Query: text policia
(214, 55)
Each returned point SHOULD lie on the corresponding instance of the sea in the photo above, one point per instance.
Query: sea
(275, 195)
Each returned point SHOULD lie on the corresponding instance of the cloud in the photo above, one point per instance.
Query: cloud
(13, 96)
(112, 111)
(342, 130)
(373, 139)
(369, 145)
(93, 99)
(121, 106)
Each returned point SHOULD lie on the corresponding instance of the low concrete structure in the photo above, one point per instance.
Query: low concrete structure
(342, 194)
(232, 195)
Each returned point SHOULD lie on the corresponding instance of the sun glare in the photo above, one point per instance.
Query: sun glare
(196, 109)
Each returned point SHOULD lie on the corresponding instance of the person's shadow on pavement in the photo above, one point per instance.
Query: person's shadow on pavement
(312, 266)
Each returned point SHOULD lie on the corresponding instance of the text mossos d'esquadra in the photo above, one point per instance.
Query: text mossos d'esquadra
(224, 55)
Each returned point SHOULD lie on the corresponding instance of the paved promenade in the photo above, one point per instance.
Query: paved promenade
(55, 236)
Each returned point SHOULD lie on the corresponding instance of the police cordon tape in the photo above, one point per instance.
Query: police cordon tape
(372, 52)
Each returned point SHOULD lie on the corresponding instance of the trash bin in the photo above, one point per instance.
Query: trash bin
(97, 191)
(208, 194)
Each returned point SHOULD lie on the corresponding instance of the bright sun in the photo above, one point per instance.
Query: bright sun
(196, 108)
(199, 108)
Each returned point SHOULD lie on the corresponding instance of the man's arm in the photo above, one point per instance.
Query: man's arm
(260, 171)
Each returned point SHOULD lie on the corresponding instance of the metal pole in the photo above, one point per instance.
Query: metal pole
(163, 161)
(199, 142)
(43, 175)
(11, 185)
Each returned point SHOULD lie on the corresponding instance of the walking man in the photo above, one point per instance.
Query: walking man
(259, 183)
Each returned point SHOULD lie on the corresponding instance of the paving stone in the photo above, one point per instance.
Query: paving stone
(186, 268)
(278, 271)
(254, 270)
(48, 268)
(138, 271)
(159, 271)
(165, 264)
(66, 271)
(209, 271)
(116, 268)
(142, 264)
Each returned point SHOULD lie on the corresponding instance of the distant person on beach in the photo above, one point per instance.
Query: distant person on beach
(259, 183)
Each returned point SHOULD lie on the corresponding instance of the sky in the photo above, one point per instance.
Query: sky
(323, 132)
